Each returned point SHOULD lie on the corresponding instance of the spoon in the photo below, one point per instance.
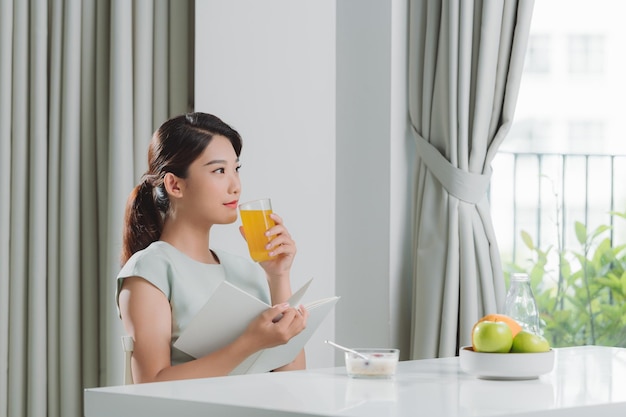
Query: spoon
(345, 349)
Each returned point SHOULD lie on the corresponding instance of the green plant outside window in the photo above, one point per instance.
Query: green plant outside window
(584, 302)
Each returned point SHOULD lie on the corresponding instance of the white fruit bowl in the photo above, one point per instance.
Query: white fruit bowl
(506, 365)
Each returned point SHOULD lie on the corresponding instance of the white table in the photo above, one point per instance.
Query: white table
(586, 381)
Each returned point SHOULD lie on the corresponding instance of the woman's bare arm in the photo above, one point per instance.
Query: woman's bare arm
(146, 315)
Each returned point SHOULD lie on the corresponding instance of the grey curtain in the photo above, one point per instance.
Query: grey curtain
(465, 65)
(83, 84)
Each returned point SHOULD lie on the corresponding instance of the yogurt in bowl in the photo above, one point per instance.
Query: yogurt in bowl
(380, 363)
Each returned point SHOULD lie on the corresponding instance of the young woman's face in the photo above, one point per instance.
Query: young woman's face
(212, 187)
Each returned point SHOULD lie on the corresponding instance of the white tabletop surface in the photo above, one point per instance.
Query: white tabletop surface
(586, 381)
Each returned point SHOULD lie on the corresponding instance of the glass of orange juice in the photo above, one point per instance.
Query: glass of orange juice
(255, 218)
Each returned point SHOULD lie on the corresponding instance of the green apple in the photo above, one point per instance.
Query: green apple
(492, 337)
(528, 342)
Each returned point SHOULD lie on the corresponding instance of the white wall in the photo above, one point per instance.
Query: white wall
(317, 88)
(268, 69)
(374, 157)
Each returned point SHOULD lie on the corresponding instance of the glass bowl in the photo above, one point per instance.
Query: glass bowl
(380, 363)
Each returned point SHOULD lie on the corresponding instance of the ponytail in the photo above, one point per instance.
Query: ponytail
(143, 220)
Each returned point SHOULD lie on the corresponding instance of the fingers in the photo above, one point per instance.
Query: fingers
(277, 219)
(279, 228)
(282, 243)
(280, 310)
(280, 246)
(288, 321)
(275, 313)
(293, 319)
(304, 312)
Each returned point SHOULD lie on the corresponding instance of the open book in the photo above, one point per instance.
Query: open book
(227, 314)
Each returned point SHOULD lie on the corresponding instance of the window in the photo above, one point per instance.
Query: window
(585, 135)
(586, 54)
(558, 176)
(538, 55)
(532, 133)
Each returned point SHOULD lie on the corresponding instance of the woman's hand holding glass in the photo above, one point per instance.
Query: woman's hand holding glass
(281, 248)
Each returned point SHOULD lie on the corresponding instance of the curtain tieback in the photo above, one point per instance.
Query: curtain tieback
(466, 186)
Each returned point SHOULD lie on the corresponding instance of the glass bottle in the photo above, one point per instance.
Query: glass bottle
(520, 303)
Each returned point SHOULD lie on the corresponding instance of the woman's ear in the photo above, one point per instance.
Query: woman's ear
(173, 185)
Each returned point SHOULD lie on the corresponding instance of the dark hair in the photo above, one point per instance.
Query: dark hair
(174, 146)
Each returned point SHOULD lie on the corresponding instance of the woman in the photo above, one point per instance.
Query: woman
(169, 271)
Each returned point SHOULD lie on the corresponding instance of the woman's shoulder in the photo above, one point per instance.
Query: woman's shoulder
(154, 258)
(154, 264)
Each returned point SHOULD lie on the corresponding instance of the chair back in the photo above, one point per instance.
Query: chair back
(128, 344)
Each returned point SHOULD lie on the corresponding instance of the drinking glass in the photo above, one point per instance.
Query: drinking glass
(255, 218)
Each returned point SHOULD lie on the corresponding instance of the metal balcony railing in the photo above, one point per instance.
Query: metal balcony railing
(544, 194)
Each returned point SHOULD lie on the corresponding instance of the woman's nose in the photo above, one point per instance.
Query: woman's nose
(235, 184)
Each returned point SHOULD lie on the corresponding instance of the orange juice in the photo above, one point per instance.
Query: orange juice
(255, 224)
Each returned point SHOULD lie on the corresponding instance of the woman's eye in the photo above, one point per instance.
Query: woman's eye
(238, 168)
(219, 171)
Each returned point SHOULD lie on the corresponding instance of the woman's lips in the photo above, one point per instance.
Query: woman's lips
(232, 204)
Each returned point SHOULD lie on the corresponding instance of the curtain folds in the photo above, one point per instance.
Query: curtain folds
(83, 84)
(465, 66)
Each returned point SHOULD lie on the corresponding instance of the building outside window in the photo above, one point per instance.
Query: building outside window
(538, 54)
(586, 135)
(586, 54)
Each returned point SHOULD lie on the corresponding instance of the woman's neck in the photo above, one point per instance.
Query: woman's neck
(189, 239)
